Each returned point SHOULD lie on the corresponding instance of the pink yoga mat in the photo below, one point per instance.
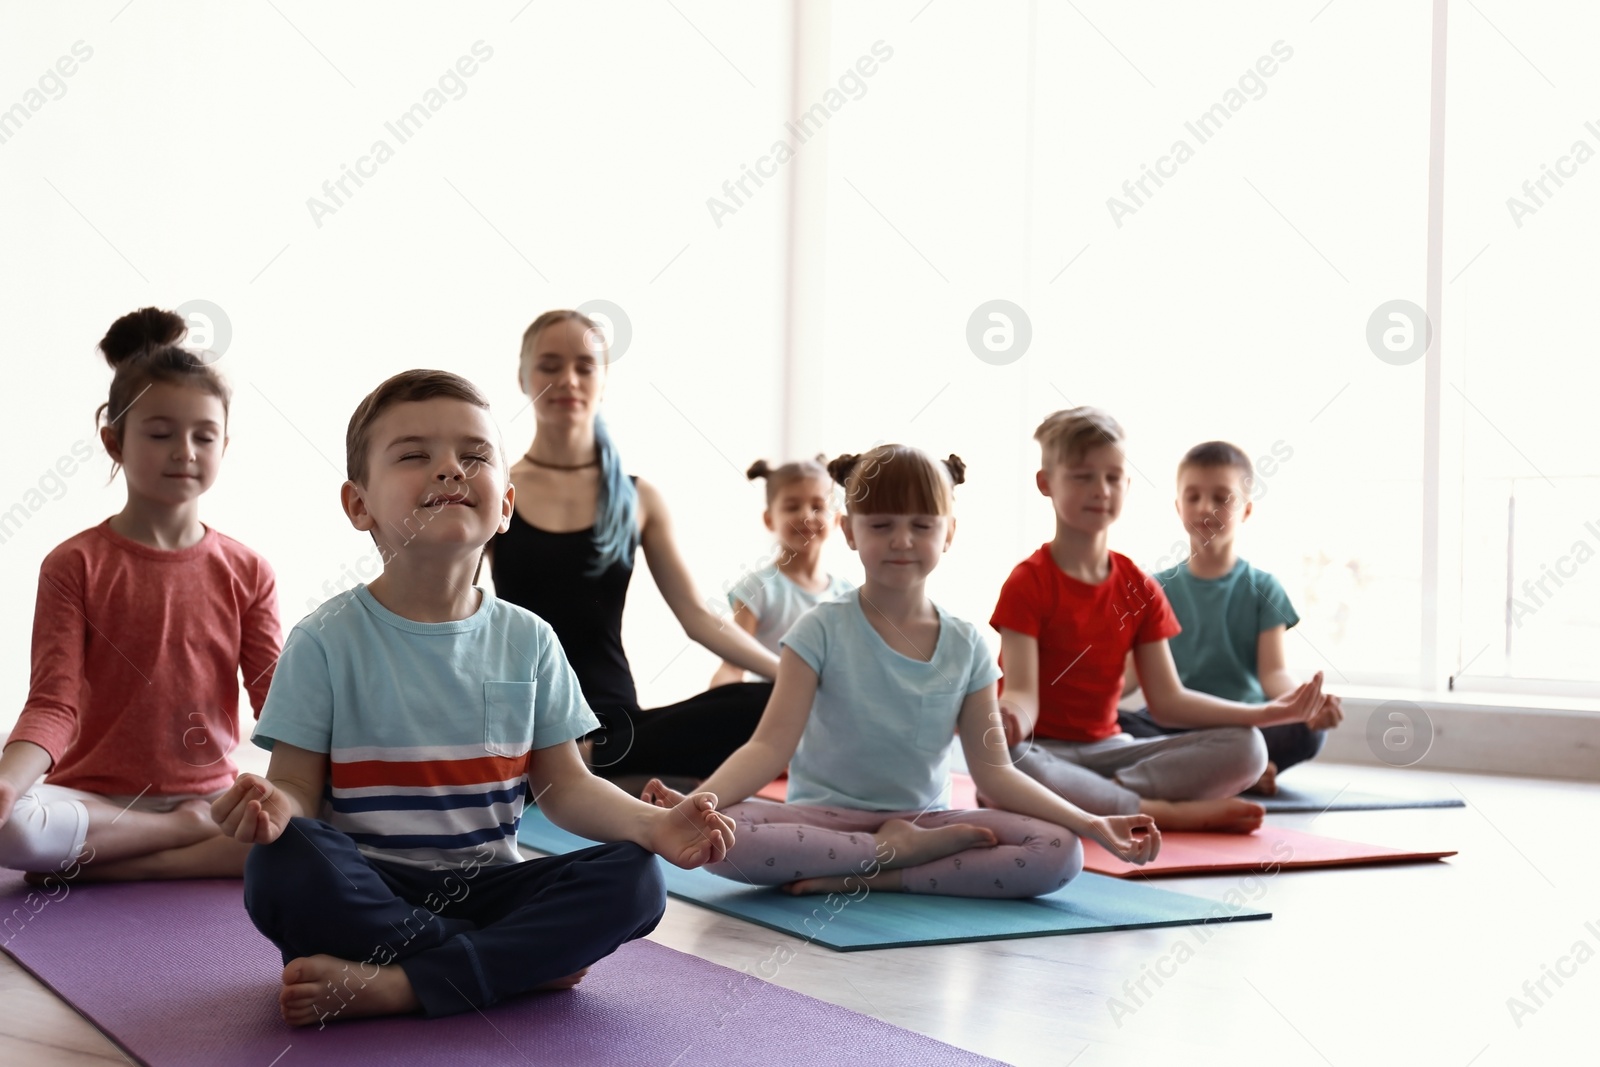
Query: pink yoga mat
(175, 974)
(1265, 851)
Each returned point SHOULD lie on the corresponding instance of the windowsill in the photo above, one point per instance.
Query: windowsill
(1486, 733)
(1469, 699)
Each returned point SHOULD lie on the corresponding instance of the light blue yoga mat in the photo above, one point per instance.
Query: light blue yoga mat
(890, 920)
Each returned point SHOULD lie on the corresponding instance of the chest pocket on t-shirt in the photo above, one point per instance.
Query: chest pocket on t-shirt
(935, 726)
(508, 717)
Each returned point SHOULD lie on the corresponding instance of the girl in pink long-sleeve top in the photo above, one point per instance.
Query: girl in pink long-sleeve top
(141, 631)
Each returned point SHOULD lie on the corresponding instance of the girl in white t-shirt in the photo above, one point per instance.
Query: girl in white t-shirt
(871, 689)
(800, 511)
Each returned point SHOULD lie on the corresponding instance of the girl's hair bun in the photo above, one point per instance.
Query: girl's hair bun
(840, 467)
(957, 469)
(758, 469)
(141, 331)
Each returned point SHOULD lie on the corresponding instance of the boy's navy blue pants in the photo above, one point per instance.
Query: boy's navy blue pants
(465, 938)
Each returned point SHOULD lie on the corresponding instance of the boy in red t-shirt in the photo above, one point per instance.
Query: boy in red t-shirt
(1069, 615)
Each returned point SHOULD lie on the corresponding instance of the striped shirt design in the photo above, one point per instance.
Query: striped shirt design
(431, 803)
(428, 727)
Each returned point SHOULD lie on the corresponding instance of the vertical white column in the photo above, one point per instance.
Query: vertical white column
(801, 414)
(1432, 664)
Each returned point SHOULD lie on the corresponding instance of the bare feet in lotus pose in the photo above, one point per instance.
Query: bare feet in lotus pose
(1226, 815)
(898, 844)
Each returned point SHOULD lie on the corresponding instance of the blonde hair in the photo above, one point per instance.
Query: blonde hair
(1068, 436)
(898, 480)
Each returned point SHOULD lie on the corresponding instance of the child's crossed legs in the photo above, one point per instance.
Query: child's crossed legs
(53, 829)
(396, 937)
(1187, 781)
(810, 849)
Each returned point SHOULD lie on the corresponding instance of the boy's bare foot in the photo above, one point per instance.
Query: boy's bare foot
(1227, 815)
(324, 989)
(561, 983)
(1267, 784)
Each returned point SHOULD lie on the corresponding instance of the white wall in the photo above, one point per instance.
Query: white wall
(975, 162)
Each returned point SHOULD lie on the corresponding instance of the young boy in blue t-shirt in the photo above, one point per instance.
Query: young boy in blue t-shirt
(409, 720)
(1233, 615)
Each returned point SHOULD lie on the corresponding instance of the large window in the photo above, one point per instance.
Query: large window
(1522, 215)
(1185, 209)
(1210, 221)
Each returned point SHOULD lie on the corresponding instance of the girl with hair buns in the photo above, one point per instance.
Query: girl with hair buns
(871, 689)
(577, 524)
(142, 628)
(766, 602)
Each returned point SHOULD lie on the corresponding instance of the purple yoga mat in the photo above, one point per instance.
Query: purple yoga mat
(175, 974)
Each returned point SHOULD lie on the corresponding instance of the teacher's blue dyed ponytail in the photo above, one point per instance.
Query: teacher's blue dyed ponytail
(616, 524)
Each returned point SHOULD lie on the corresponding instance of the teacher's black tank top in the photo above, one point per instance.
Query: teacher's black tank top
(548, 573)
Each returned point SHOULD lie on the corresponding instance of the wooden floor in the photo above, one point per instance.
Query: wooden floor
(1409, 964)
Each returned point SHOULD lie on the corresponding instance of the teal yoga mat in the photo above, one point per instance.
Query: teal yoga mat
(1090, 903)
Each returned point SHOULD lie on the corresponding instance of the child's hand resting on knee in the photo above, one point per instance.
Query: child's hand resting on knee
(1130, 837)
(1301, 704)
(1329, 715)
(689, 832)
(661, 795)
(253, 810)
(8, 799)
(1012, 724)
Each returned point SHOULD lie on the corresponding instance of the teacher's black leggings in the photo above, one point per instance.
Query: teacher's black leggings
(688, 739)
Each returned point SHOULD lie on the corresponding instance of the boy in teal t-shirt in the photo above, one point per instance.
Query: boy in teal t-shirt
(1233, 615)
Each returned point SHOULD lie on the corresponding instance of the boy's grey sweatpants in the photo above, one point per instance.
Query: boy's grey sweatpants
(1110, 777)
